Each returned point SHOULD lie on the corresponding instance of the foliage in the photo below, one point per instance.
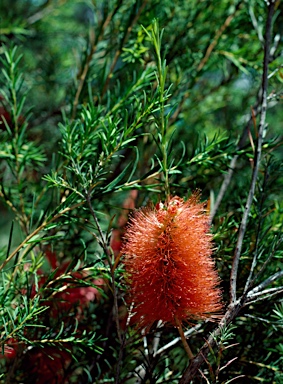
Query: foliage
(107, 106)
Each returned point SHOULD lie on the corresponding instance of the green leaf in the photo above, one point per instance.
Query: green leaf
(111, 186)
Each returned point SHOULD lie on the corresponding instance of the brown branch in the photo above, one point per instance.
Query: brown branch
(228, 176)
(236, 305)
(231, 313)
(255, 110)
(119, 50)
(243, 226)
(48, 8)
(217, 36)
(199, 359)
(94, 42)
(82, 76)
(206, 57)
(103, 243)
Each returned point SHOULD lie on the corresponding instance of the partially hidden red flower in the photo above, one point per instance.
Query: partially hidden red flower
(169, 269)
(48, 365)
(10, 349)
(71, 295)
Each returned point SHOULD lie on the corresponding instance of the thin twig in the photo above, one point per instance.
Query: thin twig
(156, 339)
(133, 21)
(120, 358)
(8, 202)
(277, 39)
(36, 231)
(265, 292)
(258, 236)
(48, 8)
(199, 359)
(255, 25)
(243, 226)
(264, 265)
(257, 318)
(236, 305)
(103, 243)
(265, 283)
(83, 74)
(177, 339)
(236, 378)
(218, 34)
(228, 176)
(224, 187)
(267, 296)
(140, 370)
(204, 60)
(202, 375)
(183, 338)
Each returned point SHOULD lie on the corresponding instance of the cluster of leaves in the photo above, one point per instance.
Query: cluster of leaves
(97, 101)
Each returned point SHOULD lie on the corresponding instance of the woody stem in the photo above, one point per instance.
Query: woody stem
(183, 338)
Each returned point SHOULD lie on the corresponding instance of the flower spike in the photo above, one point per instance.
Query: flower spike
(169, 269)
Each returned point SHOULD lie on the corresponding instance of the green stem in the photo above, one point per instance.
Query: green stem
(161, 76)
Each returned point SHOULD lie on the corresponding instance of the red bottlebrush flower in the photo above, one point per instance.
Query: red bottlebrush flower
(169, 269)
